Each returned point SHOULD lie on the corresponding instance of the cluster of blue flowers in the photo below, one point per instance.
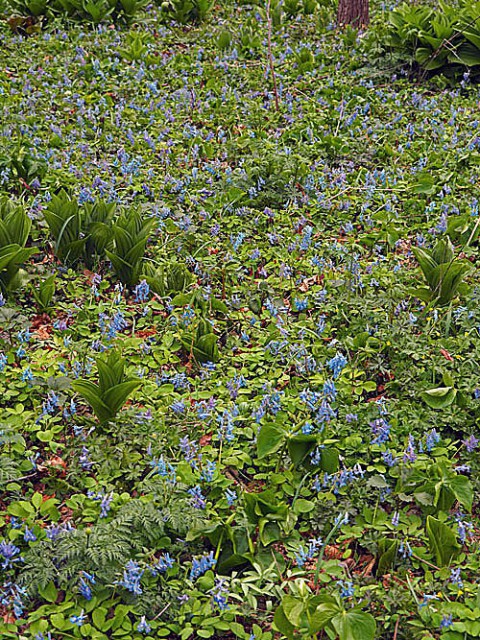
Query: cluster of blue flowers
(202, 565)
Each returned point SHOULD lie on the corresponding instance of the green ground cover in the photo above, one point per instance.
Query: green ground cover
(239, 345)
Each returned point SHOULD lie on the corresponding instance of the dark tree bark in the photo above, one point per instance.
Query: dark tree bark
(354, 12)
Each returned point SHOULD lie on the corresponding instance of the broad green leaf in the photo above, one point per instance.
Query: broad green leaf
(269, 440)
(354, 624)
(300, 446)
(49, 593)
(293, 609)
(439, 398)
(386, 560)
(281, 623)
(462, 489)
(323, 615)
(442, 540)
(91, 393)
(329, 459)
(205, 349)
(116, 397)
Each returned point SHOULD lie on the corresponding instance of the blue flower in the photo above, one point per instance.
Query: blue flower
(29, 536)
(304, 554)
(142, 291)
(164, 563)
(219, 594)
(200, 566)
(198, 499)
(143, 626)
(9, 552)
(300, 305)
(231, 497)
(337, 364)
(85, 589)
(131, 577)
(78, 620)
(346, 589)
(446, 622)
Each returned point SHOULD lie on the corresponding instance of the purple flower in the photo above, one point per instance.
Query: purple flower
(455, 577)
(380, 430)
(29, 536)
(198, 499)
(409, 454)
(9, 552)
(220, 593)
(471, 443)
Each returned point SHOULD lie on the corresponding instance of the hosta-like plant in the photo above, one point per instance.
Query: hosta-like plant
(79, 232)
(94, 11)
(443, 272)
(15, 228)
(168, 279)
(130, 236)
(108, 396)
(97, 221)
(64, 220)
(44, 292)
(437, 38)
(185, 11)
(201, 343)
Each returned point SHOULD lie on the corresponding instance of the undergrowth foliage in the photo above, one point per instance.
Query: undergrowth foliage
(239, 321)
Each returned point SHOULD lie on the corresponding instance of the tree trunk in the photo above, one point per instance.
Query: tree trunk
(354, 12)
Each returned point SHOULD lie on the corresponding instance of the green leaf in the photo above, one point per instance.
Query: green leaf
(269, 440)
(300, 446)
(329, 460)
(205, 349)
(386, 560)
(426, 262)
(323, 615)
(282, 624)
(268, 532)
(293, 609)
(49, 593)
(462, 489)
(354, 624)
(439, 398)
(58, 620)
(116, 397)
(443, 251)
(303, 506)
(442, 540)
(91, 393)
